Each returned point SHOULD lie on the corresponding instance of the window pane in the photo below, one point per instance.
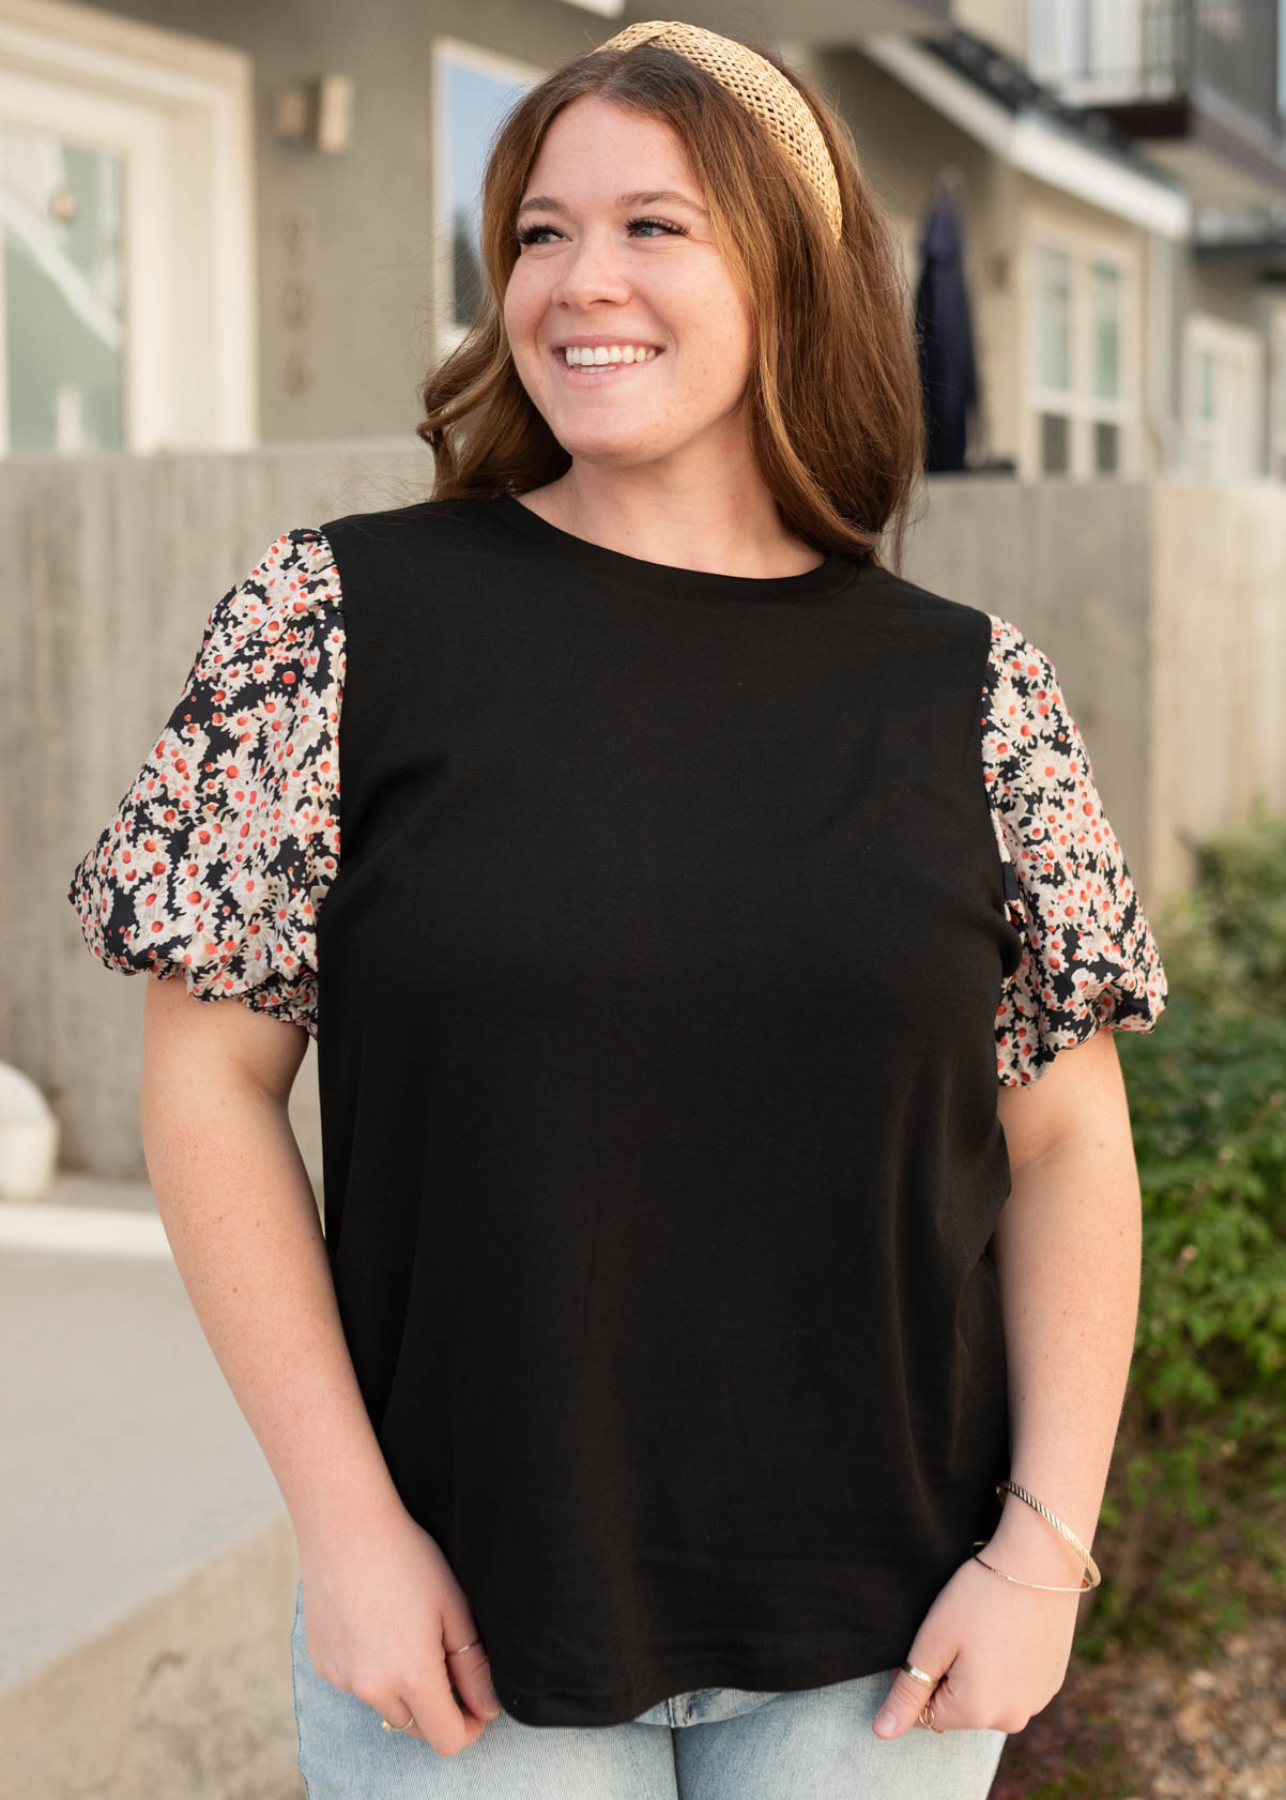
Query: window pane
(1055, 444)
(477, 103)
(64, 294)
(1054, 320)
(1107, 447)
(1105, 329)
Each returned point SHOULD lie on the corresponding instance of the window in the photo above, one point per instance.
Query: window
(1102, 49)
(1081, 406)
(63, 282)
(474, 91)
(127, 304)
(1223, 383)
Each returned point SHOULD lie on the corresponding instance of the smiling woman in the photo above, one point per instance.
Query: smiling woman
(748, 441)
(702, 886)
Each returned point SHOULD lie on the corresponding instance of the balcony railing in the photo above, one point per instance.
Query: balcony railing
(1141, 52)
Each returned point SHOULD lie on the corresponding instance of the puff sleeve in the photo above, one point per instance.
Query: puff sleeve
(1089, 957)
(215, 864)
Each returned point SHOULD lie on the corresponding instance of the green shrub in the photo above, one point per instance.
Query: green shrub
(1197, 1492)
(1225, 939)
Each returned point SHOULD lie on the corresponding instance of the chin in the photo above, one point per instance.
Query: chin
(608, 448)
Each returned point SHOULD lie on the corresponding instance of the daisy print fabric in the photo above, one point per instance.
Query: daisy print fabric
(1089, 958)
(214, 866)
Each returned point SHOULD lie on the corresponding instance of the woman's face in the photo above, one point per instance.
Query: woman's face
(622, 268)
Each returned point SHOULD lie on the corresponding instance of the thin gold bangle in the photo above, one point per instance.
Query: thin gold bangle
(1064, 1531)
(1018, 1580)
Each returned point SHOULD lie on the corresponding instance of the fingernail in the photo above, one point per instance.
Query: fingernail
(885, 1721)
(491, 1707)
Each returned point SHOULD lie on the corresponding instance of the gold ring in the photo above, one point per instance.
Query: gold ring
(908, 1668)
(406, 1727)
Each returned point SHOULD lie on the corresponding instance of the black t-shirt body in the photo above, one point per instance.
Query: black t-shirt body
(657, 992)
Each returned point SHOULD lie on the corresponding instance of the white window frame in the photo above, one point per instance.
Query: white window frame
(1083, 409)
(179, 110)
(443, 52)
(1238, 351)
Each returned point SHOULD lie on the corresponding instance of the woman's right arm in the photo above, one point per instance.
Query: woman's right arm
(381, 1602)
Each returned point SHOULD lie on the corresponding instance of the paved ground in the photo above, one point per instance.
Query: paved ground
(124, 1460)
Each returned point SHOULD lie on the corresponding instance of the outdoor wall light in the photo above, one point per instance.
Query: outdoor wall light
(317, 113)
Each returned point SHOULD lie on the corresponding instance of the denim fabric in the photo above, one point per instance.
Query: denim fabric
(816, 1744)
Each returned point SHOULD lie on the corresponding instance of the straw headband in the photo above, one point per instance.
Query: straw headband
(774, 100)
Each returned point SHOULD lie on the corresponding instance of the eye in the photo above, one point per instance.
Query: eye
(529, 234)
(661, 225)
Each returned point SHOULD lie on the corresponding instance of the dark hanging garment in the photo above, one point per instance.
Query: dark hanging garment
(666, 943)
(658, 1083)
(944, 334)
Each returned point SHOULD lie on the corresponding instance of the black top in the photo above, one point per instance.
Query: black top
(660, 995)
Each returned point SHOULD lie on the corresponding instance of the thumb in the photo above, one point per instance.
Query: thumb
(470, 1672)
(904, 1702)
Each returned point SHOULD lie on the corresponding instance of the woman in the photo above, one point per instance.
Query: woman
(731, 1217)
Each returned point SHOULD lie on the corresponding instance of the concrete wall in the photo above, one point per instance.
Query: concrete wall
(115, 564)
(1160, 605)
(1217, 651)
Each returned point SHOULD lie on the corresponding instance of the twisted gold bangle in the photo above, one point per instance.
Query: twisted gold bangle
(1064, 1531)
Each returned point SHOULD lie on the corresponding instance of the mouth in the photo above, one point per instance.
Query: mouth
(599, 374)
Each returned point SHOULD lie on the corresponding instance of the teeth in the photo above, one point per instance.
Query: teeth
(581, 357)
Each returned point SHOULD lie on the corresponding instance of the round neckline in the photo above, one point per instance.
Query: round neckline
(830, 576)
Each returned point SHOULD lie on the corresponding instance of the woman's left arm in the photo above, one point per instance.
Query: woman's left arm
(1068, 1249)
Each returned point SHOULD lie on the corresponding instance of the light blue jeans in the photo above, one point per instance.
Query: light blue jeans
(816, 1744)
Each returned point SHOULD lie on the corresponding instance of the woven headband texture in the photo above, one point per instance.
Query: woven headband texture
(774, 100)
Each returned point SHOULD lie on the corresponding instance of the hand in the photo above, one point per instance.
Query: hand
(1000, 1651)
(381, 1609)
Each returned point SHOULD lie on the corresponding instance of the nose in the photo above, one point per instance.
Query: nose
(589, 270)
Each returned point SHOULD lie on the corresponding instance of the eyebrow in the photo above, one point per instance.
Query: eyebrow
(657, 197)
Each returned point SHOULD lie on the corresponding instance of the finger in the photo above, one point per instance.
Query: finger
(439, 1718)
(946, 1705)
(905, 1700)
(470, 1671)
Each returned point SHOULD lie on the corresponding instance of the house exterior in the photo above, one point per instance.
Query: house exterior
(220, 231)
(1200, 86)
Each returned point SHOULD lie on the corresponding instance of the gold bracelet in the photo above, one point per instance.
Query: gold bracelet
(1064, 1531)
(1044, 1585)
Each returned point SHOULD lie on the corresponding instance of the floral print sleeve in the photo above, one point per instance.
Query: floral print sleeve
(1089, 958)
(215, 864)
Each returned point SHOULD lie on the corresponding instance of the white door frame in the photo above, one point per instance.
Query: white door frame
(179, 111)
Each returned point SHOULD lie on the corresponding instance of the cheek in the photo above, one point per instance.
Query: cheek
(523, 304)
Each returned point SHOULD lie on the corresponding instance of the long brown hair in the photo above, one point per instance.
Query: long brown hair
(833, 396)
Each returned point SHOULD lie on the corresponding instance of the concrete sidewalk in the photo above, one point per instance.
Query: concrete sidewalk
(148, 1584)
